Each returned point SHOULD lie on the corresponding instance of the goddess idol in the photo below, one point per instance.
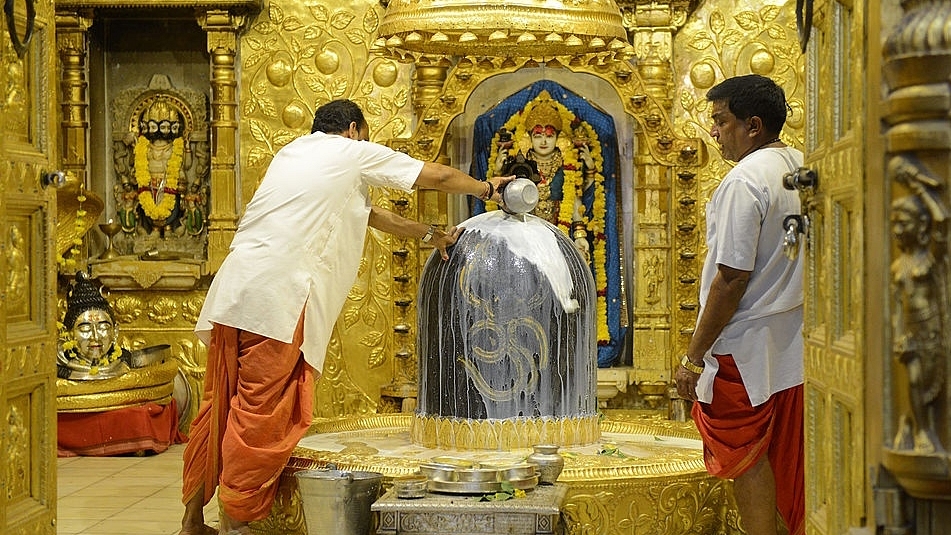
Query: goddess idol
(572, 149)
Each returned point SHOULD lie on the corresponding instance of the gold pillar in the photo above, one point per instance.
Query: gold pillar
(918, 162)
(222, 27)
(430, 207)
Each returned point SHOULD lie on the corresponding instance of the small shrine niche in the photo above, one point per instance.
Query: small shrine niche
(160, 169)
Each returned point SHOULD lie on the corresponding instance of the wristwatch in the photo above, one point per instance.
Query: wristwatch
(429, 234)
(690, 366)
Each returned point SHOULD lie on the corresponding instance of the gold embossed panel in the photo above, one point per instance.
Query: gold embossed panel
(27, 277)
(835, 281)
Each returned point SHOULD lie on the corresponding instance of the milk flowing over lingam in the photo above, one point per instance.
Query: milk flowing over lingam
(507, 336)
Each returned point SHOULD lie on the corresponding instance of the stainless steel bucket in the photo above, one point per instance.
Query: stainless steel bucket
(337, 502)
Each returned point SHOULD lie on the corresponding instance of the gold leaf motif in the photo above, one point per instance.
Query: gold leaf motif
(400, 99)
(312, 32)
(275, 13)
(292, 24)
(372, 339)
(372, 107)
(259, 130)
(356, 37)
(371, 22)
(267, 106)
(341, 20)
(254, 44)
(701, 41)
(308, 52)
(258, 156)
(732, 37)
(399, 126)
(315, 84)
(382, 289)
(350, 316)
(717, 24)
(686, 99)
(367, 87)
(356, 293)
(338, 87)
(319, 13)
(265, 27)
(747, 20)
(776, 31)
(769, 13)
(376, 358)
(369, 316)
(283, 137)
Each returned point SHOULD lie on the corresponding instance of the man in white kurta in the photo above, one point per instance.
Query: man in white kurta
(277, 296)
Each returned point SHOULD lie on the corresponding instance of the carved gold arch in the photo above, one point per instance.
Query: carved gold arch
(442, 92)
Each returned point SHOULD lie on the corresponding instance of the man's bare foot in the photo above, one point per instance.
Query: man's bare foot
(202, 529)
(230, 526)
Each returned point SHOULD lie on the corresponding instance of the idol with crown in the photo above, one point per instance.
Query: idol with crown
(569, 149)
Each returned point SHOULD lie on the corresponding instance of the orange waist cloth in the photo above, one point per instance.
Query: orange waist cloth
(256, 405)
(736, 434)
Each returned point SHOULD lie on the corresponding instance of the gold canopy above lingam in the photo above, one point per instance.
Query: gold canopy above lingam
(504, 28)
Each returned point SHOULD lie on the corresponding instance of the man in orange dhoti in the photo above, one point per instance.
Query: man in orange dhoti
(744, 364)
(270, 310)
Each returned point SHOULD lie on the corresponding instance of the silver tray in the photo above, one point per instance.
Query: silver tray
(479, 487)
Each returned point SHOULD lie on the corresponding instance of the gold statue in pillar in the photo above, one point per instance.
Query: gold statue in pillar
(919, 281)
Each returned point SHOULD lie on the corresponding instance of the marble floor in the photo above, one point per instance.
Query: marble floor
(123, 495)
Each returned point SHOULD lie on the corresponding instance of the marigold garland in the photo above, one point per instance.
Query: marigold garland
(160, 211)
(67, 261)
(571, 190)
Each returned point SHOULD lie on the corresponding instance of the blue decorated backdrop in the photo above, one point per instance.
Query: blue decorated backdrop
(487, 124)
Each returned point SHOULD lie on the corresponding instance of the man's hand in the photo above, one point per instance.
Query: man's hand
(686, 383)
(442, 240)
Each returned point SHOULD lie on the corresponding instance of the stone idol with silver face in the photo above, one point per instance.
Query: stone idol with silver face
(507, 335)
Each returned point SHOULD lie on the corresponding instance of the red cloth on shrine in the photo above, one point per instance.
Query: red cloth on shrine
(149, 427)
(736, 434)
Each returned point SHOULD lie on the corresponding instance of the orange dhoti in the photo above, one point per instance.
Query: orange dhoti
(736, 434)
(257, 404)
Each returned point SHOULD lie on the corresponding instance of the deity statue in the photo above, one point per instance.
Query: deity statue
(569, 149)
(919, 286)
(161, 156)
(87, 346)
(18, 268)
(544, 125)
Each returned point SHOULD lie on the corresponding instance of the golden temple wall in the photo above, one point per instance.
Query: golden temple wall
(270, 67)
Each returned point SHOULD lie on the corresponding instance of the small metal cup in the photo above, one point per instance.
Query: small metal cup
(520, 196)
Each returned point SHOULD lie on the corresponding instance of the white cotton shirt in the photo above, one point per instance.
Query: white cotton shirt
(745, 232)
(299, 243)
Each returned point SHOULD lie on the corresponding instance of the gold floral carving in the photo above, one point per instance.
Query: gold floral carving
(722, 40)
(295, 57)
(17, 449)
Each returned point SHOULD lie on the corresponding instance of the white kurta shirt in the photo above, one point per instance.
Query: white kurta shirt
(299, 243)
(745, 231)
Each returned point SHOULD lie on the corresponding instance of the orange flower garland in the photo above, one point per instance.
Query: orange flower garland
(163, 209)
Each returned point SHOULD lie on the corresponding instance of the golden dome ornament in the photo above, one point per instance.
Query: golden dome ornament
(503, 28)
